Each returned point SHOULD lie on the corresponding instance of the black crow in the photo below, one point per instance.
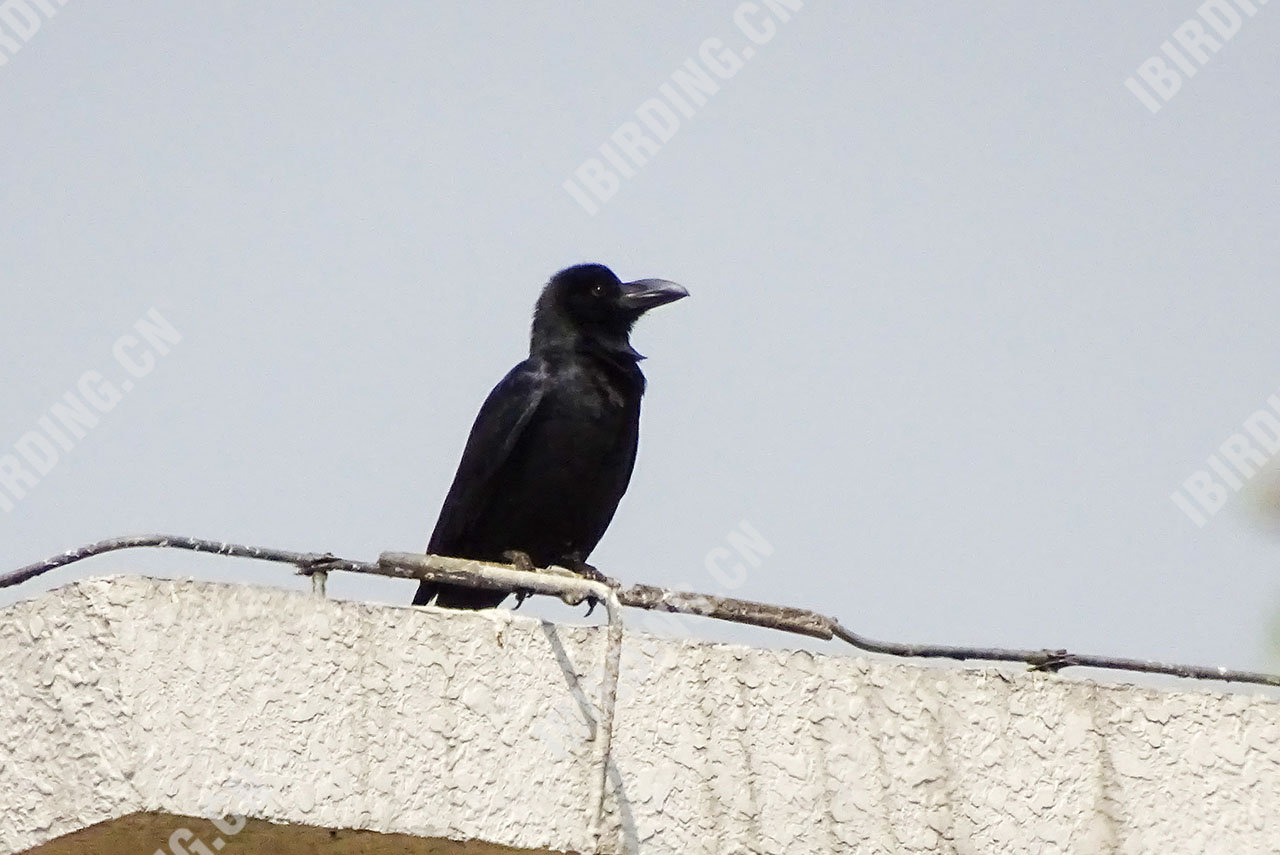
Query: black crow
(551, 452)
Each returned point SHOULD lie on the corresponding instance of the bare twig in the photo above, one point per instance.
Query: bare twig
(724, 608)
(801, 621)
(301, 560)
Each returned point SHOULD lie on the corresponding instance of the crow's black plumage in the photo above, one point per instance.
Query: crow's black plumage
(551, 452)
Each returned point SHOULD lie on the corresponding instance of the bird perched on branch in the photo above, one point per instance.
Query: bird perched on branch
(551, 452)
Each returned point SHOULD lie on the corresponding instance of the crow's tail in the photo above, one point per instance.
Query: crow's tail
(457, 597)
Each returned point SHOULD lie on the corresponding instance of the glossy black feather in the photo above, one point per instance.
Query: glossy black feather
(552, 449)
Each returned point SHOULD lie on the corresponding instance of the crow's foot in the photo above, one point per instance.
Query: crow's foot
(521, 561)
(585, 570)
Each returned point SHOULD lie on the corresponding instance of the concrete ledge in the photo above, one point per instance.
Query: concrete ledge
(130, 705)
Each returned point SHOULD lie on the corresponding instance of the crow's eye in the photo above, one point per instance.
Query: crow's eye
(597, 290)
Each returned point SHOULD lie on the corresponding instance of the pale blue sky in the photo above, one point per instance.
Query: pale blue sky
(963, 314)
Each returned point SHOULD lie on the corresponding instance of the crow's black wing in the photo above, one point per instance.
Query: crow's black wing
(497, 428)
(503, 416)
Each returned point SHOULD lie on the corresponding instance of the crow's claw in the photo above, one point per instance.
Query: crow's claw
(586, 571)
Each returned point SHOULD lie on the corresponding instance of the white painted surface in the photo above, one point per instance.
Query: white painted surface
(131, 694)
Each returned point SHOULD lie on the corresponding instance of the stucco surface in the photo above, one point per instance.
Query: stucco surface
(125, 696)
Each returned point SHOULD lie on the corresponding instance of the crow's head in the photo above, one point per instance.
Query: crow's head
(588, 303)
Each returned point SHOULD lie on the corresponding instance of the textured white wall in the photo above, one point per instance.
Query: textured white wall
(130, 694)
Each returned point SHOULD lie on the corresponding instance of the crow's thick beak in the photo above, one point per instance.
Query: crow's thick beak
(644, 294)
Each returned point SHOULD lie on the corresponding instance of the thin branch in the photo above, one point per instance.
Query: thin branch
(800, 621)
(1055, 660)
(768, 616)
(301, 560)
